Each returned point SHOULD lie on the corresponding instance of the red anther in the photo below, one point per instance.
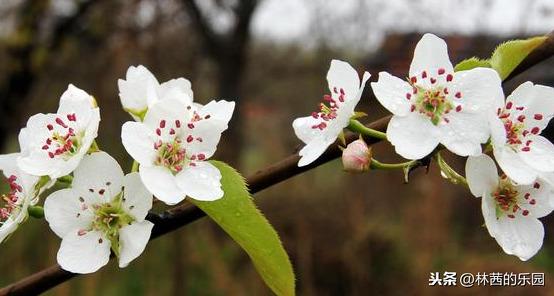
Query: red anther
(335, 90)
(412, 108)
(433, 80)
(49, 127)
(526, 149)
(413, 79)
(525, 212)
(535, 130)
(520, 108)
(526, 196)
(189, 139)
(536, 185)
(532, 202)
(51, 155)
(458, 108)
(177, 123)
(315, 115)
(61, 123)
(509, 105)
(101, 191)
(511, 216)
(172, 131)
(190, 125)
(458, 95)
(201, 156)
(162, 123)
(521, 118)
(45, 147)
(71, 117)
(342, 91)
(538, 116)
(424, 74)
(449, 77)
(441, 71)
(158, 132)
(408, 96)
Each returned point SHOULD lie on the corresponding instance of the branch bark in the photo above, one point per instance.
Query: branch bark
(287, 168)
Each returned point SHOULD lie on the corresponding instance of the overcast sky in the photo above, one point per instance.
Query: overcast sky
(366, 21)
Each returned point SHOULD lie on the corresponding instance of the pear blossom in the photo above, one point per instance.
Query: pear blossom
(356, 157)
(141, 89)
(22, 193)
(103, 211)
(323, 127)
(510, 211)
(53, 144)
(172, 146)
(437, 105)
(522, 153)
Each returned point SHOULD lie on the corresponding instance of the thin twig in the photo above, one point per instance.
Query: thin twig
(287, 168)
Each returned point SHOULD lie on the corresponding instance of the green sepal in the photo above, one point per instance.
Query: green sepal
(471, 63)
(237, 214)
(140, 114)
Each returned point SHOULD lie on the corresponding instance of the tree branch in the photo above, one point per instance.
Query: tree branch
(287, 168)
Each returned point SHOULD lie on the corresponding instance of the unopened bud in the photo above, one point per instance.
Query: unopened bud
(356, 157)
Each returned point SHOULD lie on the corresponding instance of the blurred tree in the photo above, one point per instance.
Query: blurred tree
(28, 49)
(228, 51)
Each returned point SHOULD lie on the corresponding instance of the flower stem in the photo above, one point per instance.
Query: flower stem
(36, 212)
(375, 164)
(448, 172)
(135, 167)
(94, 147)
(359, 128)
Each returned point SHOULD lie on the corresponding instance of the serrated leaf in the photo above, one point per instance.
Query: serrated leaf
(237, 214)
(508, 55)
(471, 63)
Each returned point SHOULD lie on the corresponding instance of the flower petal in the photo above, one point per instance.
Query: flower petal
(431, 54)
(69, 209)
(413, 136)
(132, 241)
(313, 150)
(76, 100)
(161, 182)
(537, 102)
(480, 88)
(541, 154)
(481, 174)
(218, 112)
(464, 133)
(513, 166)
(342, 75)
(137, 199)
(139, 88)
(179, 88)
(139, 142)
(392, 92)
(83, 253)
(100, 173)
(538, 198)
(201, 182)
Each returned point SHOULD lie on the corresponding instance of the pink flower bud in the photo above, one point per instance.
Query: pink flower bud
(356, 157)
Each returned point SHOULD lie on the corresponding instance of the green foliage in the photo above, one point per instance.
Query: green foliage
(237, 214)
(505, 58)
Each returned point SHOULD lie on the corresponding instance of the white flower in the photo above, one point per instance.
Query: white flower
(511, 211)
(518, 147)
(96, 215)
(54, 144)
(322, 128)
(172, 146)
(356, 157)
(141, 90)
(22, 194)
(436, 105)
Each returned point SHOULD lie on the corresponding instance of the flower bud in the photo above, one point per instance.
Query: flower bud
(356, 157)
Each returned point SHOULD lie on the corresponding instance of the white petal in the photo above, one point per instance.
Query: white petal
(521, 236)
(342, 75)
(76, 100)
(391, 92)
(514, 167)
(99, 171)
(138, 200)
(464, 133)
(201, 182)
(481, 90)
(313, 150)
(84, 253)
(24, 139)
(161, 182)
(548, 178)
(413, 136)
(498, 132)
(431, 54)
(536, 99)
(541, 155)
(139, 142)
(69, 209)
(481, 174)
(168, 110)
(132, 241)
(538, 198)
(206, 135)
(139, 89)
(303, 128)
(219, 112)
(179, 88)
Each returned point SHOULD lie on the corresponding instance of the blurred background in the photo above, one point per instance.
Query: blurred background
(346, 234)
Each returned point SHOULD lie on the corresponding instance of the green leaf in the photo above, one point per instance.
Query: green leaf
(471, 63)
(237, 214)
(508, 55)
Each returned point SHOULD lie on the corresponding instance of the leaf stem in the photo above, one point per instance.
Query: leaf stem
(359, 128)
(36, 212)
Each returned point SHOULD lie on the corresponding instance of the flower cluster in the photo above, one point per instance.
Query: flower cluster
(437, 108)
(102, 212)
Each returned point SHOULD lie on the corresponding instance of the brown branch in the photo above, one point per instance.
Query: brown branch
(285, 169)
